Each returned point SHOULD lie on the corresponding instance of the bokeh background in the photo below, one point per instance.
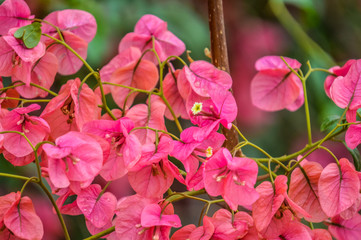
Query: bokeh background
(326, 32)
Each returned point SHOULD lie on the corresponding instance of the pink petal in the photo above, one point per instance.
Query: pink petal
(204, 232)
(271, 92)
(99, 210)
(275, 63)
(336, 192)
(353, 136)
(171, 93)
(152, 216)
(145, 76)
(303, 190)
(79, 22)
(127, 222)
(215, 172)
(6, 56)
(266, 206)
(151, 181)
(346, 91)
(57, 173)
(239, 185)
(43, 74)
(205, 78)
(346, 229)
(6, 202)
(183, 233)
(139, 115)
(26, 54)
(85, 103)
(22, 220)
(12, 14)
(68, 62)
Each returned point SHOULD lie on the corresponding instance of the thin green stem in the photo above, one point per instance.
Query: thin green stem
(128, 87)
(176, 196)
(32, 179)
(307, 112)
(330, 152)
(239, 132)
(44, 89)
(15, 176)
(26, 100)
(101, 234)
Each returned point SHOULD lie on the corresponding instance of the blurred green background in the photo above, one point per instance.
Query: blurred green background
(326, 32)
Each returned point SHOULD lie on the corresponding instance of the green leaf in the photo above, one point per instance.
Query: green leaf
(329, 121)
(355, 153)
(29, 34)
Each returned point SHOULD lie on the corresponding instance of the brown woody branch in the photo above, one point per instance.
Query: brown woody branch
(220, 56)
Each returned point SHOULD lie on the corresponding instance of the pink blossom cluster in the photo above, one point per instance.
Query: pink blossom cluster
(75, 139)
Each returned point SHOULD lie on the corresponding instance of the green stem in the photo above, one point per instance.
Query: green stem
(44, 89)
(176, 196)
(16, 177)
(32, 179)
(307, 112)
(26, 100)
(128, 87)
(101, 234)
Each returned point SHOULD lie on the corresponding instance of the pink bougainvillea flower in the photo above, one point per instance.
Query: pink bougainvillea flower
(270, 200)
(43, 74)
(70, 110)
(184, 232)
(76, 157)
(154, 152)
(275, 87)
(152, 216)
(13, 13)
(221, 106)
(152, 180)
(203, 78)
(171, 93)
(188, 144)
(231, 177)
(346, 229)
(125, 148)
(345, 90)
(151, 27)
(338, 71)
(353, 136)
(128, 219)
(72, 208)
(286, 226)
(134, 211)
(17, 60)
(140, 116)
(338, 187)
(204, 232)
(303, 189)
(142, 75)
(35, 129)
(79, 22)
(227, 226)
(17, 214)
(98, 209)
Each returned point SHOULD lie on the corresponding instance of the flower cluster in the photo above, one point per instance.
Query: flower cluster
(75, 139)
